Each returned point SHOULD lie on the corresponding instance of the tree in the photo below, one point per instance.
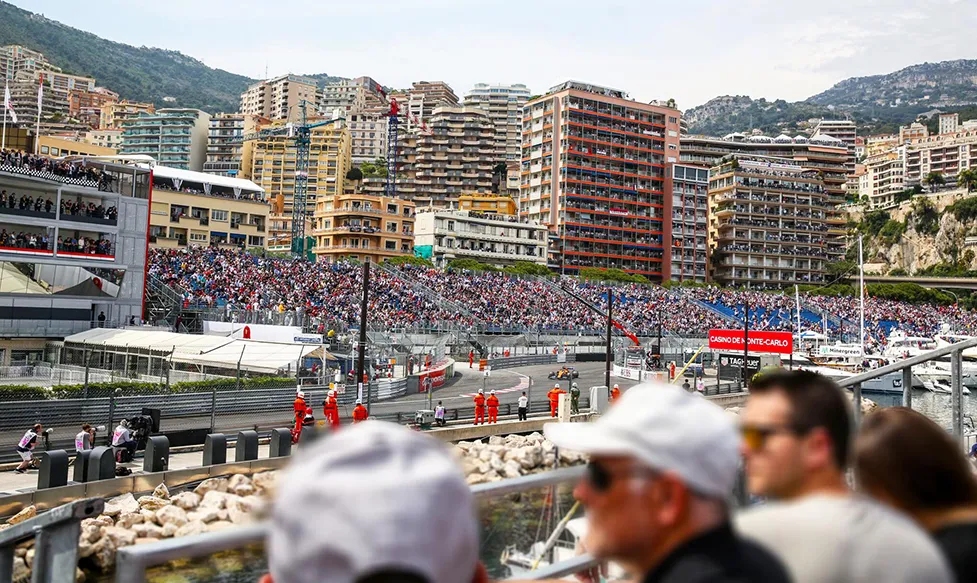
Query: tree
(967, 179)
(354, 174)
(934, 179)
(527, 268)
(499, 174)
(670, 102)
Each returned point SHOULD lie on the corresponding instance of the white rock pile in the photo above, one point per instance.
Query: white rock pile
(510, 457)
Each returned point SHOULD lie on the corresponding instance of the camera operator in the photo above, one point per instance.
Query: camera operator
(26, 448)
(122, 438)
(85, 438)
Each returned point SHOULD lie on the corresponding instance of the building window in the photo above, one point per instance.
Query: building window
(390, 245)
(672, 119)
(217, 215)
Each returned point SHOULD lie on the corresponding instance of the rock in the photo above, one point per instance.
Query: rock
(571, 457)
(549, 460)
(129, 519)
(205, 515)
(195, 527)
(171, 515)
(210, 485)
(186, 500)
(29, 557)
(464, 445)
(162, 492)
(241, 485)
(85, 549)
(214, 499)
(119, 537)
(548, 447)
(79, 575)
(511, 470)
(515, 441)
(475, 478)
(90, 532)
(145, 540)
(25, 514)
(170, 530)
(485, 455)
(496, 440)
(148, 530)
(120, 504)
(535, 437)
(492, 476)
(21, 572)
(238, 516)
(219, 525)
(103, 553)
(497, 464)
(152, 502)
(148, 515)
(265, 482)
(106, 520)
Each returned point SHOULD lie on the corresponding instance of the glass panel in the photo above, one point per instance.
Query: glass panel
(50, 279)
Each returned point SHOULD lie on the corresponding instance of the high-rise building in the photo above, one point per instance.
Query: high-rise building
(175, 137)
(949, 123)
(105, 138)
(690, 227)
(455, 157)
(17, 61)
(274, 159)
(504, 104)
(279, 98)
(368, 131)
(424, 97)
(884, 178)
(351, 96)
(594, 171)
(913, 131)
(24, 93)
(113, 114)
(840, 129)
(86, 106)
(769, 218)
(492, 238)
(227, 152)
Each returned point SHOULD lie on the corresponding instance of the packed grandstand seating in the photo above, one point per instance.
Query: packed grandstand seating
(326, 294)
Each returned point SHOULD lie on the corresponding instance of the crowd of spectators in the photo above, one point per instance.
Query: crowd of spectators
(76, 208)
(86, 245)
(24, 240)
(10, 200)
(328, 293)
(23, 161)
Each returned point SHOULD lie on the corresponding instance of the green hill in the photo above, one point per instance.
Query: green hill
(136, 73)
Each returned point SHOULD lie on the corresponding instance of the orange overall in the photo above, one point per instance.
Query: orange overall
(330, 410)
(554, 397)
(479, 408)
(493, 409)
(359, 413)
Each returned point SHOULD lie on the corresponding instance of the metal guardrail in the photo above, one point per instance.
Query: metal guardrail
(132, 561)
(528, 360)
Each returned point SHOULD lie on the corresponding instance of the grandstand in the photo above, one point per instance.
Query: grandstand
(324, 296)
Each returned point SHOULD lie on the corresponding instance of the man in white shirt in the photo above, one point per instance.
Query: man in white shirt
(796, 431)
(523, 406)
(122, 438)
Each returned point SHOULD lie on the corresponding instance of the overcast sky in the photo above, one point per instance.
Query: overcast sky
(691, 50)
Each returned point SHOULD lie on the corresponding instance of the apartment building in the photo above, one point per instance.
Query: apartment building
(279, 98)
(488, 204)
(875, 145)
(227, 152)
(59, 147)
(504, 104)
(690, 223)
(840, 129)
(113, 114)
(884, 178)
(769, 221)
(104, 138)
(196, 208)
(273, 166)
(949, 123)
(86, 106)
(24, 97)
(19, 62)
(360, 226)
(174, 137)
(423, 98)
(492, 238)
(913, 131)
(349, 96)
(455, 157)
(77, 253)
(280, 230)
(945, 154)
(368, 134)
(594, 171)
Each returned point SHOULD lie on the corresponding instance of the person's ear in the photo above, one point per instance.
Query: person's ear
(480, 576)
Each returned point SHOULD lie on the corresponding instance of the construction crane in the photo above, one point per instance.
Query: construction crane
(393, 143)
(302, 134)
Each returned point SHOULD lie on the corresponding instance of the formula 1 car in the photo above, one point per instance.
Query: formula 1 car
(567, 372)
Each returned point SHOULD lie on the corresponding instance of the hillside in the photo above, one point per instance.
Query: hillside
(136, 73)
(878, 103)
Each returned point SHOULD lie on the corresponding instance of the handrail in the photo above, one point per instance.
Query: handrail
(909, 362)
(132, 561)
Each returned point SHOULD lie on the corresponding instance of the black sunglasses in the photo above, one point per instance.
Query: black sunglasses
(601, 479)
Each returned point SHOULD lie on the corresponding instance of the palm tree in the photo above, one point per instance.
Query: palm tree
(967, 179)
(934, 179)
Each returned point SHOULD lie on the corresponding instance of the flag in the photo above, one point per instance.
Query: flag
(8, 104)
(40, 96)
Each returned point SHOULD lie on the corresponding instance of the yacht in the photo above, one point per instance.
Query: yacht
(901, 346)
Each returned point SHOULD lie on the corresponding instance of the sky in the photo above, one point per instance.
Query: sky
(691, 50)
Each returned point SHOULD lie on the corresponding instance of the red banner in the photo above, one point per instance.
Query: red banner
(432, 380)
(732, 340)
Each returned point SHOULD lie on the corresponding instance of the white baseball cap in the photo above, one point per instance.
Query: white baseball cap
(364, 501)
(666, 428)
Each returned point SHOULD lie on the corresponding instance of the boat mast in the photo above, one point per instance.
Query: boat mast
(861, 298)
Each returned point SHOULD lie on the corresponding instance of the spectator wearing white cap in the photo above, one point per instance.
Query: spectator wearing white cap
(797, 429)
(375, 503)
(662, 464)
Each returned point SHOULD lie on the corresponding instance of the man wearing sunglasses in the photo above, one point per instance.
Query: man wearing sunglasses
(796, 430)
(662, 465)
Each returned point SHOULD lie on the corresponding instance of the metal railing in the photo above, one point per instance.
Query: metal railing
(133, 561)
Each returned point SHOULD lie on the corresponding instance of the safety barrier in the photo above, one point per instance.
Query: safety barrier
(527, 360)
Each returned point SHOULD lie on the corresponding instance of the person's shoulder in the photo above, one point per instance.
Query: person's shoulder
(760, 563)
